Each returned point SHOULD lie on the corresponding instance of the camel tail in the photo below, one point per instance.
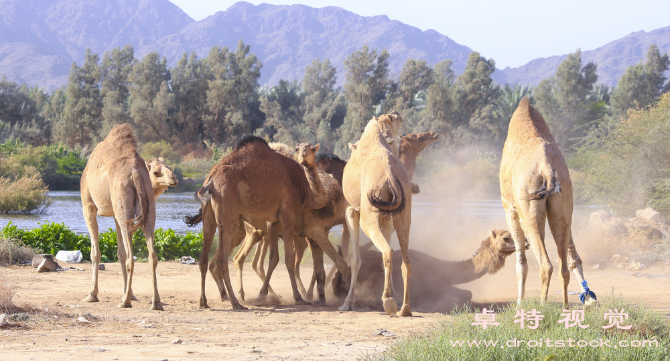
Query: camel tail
(203, 196)
(397, 203)
(550, 187)
(144, 203)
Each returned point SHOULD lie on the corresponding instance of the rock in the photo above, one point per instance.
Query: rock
(177, 342)
(384, 332)
(4, 320)
(650, 216)
(82, 320)
(38, 258)
(101, 267)
(47, 265)
(637, 228)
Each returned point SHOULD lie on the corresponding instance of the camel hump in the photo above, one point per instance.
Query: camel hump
(246, 140)
(524, 103)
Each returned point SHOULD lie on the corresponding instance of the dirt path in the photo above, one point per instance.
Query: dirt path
(283, 332)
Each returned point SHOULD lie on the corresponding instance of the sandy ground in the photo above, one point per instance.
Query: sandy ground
(282, 332)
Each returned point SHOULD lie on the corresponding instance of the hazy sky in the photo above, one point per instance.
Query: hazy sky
(511, 32)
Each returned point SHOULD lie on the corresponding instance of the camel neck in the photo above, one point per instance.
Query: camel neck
(316, 186)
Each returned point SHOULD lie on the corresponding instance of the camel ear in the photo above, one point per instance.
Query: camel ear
(352, 147)
(316, 147)
(148, 166)
(160, 159)
(492, 234)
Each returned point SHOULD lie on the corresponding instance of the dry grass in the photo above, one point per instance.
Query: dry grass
(25, 195)
(7, 293)
(15, 252)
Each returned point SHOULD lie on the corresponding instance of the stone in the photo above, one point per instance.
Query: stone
(650, 216)
(639, 230)
(38, 258)
(47, 265)
(101, 267)
(4, 320)
(177, 342)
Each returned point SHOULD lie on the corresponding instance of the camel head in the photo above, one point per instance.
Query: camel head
(490, 256)
(305, 153)
(416, 142)
(161, 175)
(502, 242)
(353, 146)
(389, 126)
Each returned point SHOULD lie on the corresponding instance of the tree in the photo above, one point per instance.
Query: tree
(564, 99)
(282, 105)
(232, 101)
(323, 106)
(20, 113)
(364, 88)
(190, 83)
(151, 98)
(641, 85)
(117, 65)
(81, 120)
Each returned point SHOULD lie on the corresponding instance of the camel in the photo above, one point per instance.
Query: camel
(256, 185)
(535, 187)
(118, 183)
(378, 189)
(433, 279)
(316, 223)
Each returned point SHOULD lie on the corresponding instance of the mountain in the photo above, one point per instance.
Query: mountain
(612, 59)
(39, 39)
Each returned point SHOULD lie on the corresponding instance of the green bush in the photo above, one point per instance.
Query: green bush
(160, 149)
(438, 342)
(24, 195)
(51, 237)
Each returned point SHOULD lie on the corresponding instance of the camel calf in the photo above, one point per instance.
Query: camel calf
(118, 183)
(535, 188)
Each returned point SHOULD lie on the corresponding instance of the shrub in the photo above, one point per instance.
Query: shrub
(13, 251)
(25, 195)
(439, 342)
(160, 149)
(7, 293)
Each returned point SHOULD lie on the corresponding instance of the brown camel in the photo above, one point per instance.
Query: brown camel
(316, 225)
(535, 188)
(378, 189)
(117, 183)
(255, 184)
(433, 279)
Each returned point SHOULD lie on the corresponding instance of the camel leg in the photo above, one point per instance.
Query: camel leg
(345, 254)
(402, 229)
(559, 224)
(148, 229)
(575, 264)
(371, 222)
(289, 253)
(130, 261)
(208, 230)
(226, 231)
(258, 264)
(534, 216)
(250, 239)
(273, 241)
(121, 255)
(300, 244)
(90, 212)
(353, 223)
(520, 244)
(319, 272)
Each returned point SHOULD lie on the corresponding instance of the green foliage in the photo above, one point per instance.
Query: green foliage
(436, 343)
(51, 237)
(627, 161)
(641, 85)
(160, 149)
(11, 147)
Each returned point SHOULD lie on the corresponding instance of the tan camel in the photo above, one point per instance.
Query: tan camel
(316, 225)
(433, 277)
(535, 187)
(378, 189)
(117, 183)
(255, 184)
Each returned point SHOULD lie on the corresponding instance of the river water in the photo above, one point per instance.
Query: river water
(439, 225)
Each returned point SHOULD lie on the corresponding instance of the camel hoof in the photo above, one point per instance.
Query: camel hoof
(204, 306)
(405, 312)
(319, 302)
(302, 302)
(123, 305)
(156, 307)
(390, 306)
(91, 298)
(345, 307)
(239, 307)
